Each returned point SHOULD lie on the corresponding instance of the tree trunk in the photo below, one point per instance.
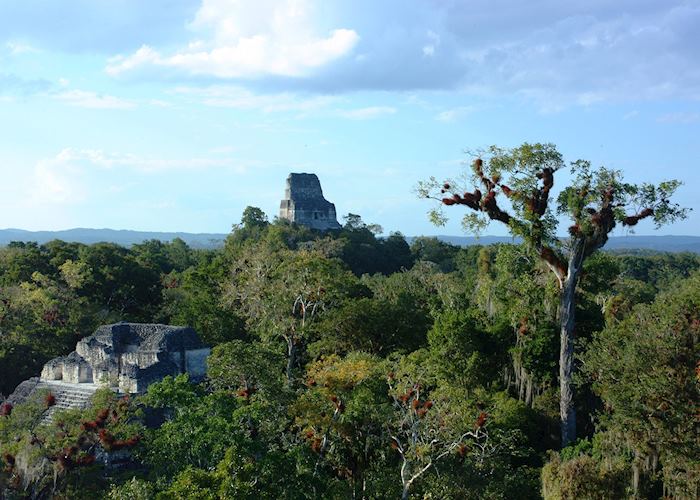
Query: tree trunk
(567, 320)
(404, 480)
(291, 359)
(358, 484)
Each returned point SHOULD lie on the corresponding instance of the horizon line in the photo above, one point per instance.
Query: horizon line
(387, 233)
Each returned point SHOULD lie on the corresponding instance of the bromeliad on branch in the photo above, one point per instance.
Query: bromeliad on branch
(596, 200)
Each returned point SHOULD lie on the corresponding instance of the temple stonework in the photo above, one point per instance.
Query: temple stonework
(130, 356)
(126, 357)
(304, 203)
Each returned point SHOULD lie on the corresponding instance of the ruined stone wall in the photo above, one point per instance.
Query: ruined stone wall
(304, 203)
(130, 356)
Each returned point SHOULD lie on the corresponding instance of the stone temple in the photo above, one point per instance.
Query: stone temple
(304, 203)
(127, 357)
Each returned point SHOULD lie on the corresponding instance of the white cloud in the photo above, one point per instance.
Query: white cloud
(57, 182)
(14, 85)
(679, 117)
(367, 113)
(96, 188)
(92, 100)
(159, 103)
(248, 39)
(553, 54)
(222, 150)
(78, 177)
(434, 42)
(227, 96)
(106, 160)
(454, 114)
(142, 57)
(16, 48)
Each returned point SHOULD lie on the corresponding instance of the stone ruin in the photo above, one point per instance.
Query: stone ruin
(130, 356)
(304, 203)
(126, 357)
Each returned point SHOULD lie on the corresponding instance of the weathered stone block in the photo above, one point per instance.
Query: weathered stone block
(53, 370)
(76, 370)
(130, 356)
(304, 203)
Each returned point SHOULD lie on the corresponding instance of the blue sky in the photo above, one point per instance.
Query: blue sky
(175, 115)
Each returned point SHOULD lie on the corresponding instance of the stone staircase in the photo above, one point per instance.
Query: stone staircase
(67, 396)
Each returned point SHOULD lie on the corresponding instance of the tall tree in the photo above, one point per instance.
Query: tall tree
(595, 200)
(425, 430)
(342, 415)
(281, 294)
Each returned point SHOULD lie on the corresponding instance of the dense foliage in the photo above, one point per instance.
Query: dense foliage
(350, 366)
(518, 191)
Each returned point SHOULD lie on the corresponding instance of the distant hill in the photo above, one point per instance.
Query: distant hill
(214, 240)
(121, 237)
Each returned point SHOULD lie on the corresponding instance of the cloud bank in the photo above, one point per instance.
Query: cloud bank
(268, 37)
(548, 51)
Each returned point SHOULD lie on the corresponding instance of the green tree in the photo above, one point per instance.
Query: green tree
(135, 489)
(152, 254)
(596, 200)
(645, 368)
(253, 227)
(342, 415)
(466, 352)
(193, 297)
(198, 433)
(281, 293)
(377, 326)
(365, 253)
(397, 253)
(180, 255)
(433, 250)
(58, 252)
(247, 368)
(60, 459)
(40, 319)
(253, 217)
(582, 477)
(126, 287)
(18, 261)
(428, 429)
(513, 288)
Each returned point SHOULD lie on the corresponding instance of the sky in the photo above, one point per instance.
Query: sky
(174, 115)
